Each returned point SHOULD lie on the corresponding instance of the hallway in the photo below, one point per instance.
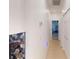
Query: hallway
(55, 51)
(34, 18)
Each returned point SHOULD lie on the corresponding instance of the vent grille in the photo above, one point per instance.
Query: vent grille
(56, 2)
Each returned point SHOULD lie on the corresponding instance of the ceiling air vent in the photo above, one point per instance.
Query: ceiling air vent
(56, 2)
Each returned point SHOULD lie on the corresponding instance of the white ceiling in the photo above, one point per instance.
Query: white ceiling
(54, 8)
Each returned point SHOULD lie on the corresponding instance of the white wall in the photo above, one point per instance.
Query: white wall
(66, 4)
(64, 30)
(27, 15)
(55, 16)
(37, 35)
(16, 16)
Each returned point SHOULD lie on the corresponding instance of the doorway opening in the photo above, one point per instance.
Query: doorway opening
(55, 29)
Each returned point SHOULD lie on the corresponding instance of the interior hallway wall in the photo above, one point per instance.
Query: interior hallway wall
(64, 29)
(64, 33)
(36, 25)
(30, 16)
(16, 16)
